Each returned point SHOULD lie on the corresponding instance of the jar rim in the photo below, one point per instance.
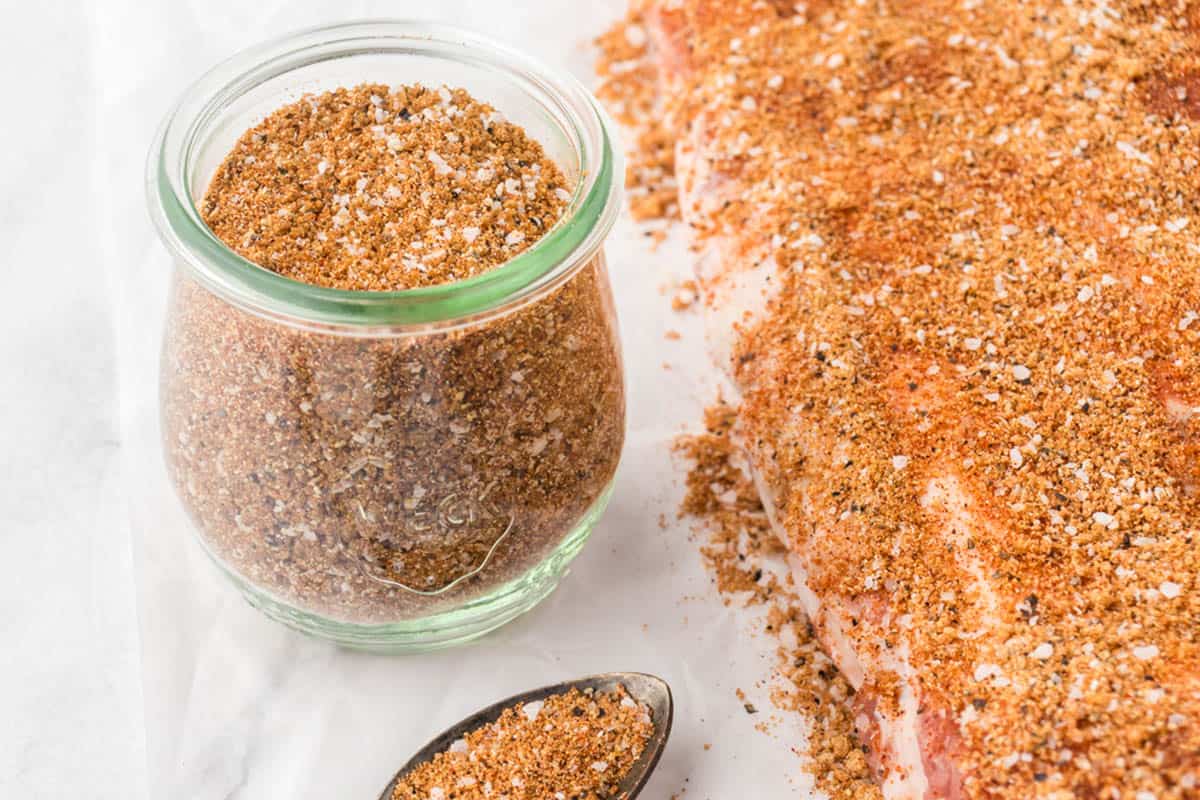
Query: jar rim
(569, 245)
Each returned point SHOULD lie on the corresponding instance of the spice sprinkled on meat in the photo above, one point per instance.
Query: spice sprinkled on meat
(948, 252)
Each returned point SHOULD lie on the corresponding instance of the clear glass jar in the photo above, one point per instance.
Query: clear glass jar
(391, 470)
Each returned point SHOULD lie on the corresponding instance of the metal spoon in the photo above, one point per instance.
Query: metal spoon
(648, 689)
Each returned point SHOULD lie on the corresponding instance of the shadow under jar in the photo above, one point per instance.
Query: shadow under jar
(391, 470)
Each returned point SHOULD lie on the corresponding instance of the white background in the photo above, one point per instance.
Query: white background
(127, 669)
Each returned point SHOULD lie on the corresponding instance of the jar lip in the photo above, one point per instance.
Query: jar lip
(570, 244)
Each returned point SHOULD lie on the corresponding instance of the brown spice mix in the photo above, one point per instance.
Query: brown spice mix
(376, 189)
(983, 217)
(740, 547)
(629, 88)
(571, 746)
(340, 473)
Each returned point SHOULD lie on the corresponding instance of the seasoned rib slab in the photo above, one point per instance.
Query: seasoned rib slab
(950, 264)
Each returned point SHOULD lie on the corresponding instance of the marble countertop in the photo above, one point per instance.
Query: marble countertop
(130, 669)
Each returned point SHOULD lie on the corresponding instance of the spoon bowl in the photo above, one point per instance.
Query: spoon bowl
(648, 689)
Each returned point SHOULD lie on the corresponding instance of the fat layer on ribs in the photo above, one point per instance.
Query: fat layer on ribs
(948, 253)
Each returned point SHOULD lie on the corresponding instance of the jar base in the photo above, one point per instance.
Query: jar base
(446, 629)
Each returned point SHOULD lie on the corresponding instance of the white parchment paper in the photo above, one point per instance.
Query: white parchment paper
(237, 707)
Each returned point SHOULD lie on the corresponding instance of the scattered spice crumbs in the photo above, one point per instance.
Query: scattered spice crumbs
(723, 499)
(629, 88)
(572, 746)
(685, 296)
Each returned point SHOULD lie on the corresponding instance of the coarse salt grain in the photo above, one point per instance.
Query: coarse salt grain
(1145, 652)
(985, 671)
(635, 35)
(439, 164)
(532, 709)
(1131, 152)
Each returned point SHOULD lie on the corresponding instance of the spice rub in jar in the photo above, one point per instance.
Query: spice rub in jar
(389, 474)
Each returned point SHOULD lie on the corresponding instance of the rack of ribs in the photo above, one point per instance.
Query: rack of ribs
(948, 253)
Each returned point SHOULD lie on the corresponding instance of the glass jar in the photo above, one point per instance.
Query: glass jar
(391, 470)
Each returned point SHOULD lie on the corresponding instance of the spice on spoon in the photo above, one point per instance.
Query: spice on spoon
(577, 745)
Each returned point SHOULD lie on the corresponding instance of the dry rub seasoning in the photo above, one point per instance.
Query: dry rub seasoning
(739, 551)
(371, 189)
(346, 475)
(984, 220)
(629, 88)
(571, 746)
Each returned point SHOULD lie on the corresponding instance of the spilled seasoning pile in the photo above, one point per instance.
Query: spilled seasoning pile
(740, 548)
(573, 746)
(719, 494)
(628, 87)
